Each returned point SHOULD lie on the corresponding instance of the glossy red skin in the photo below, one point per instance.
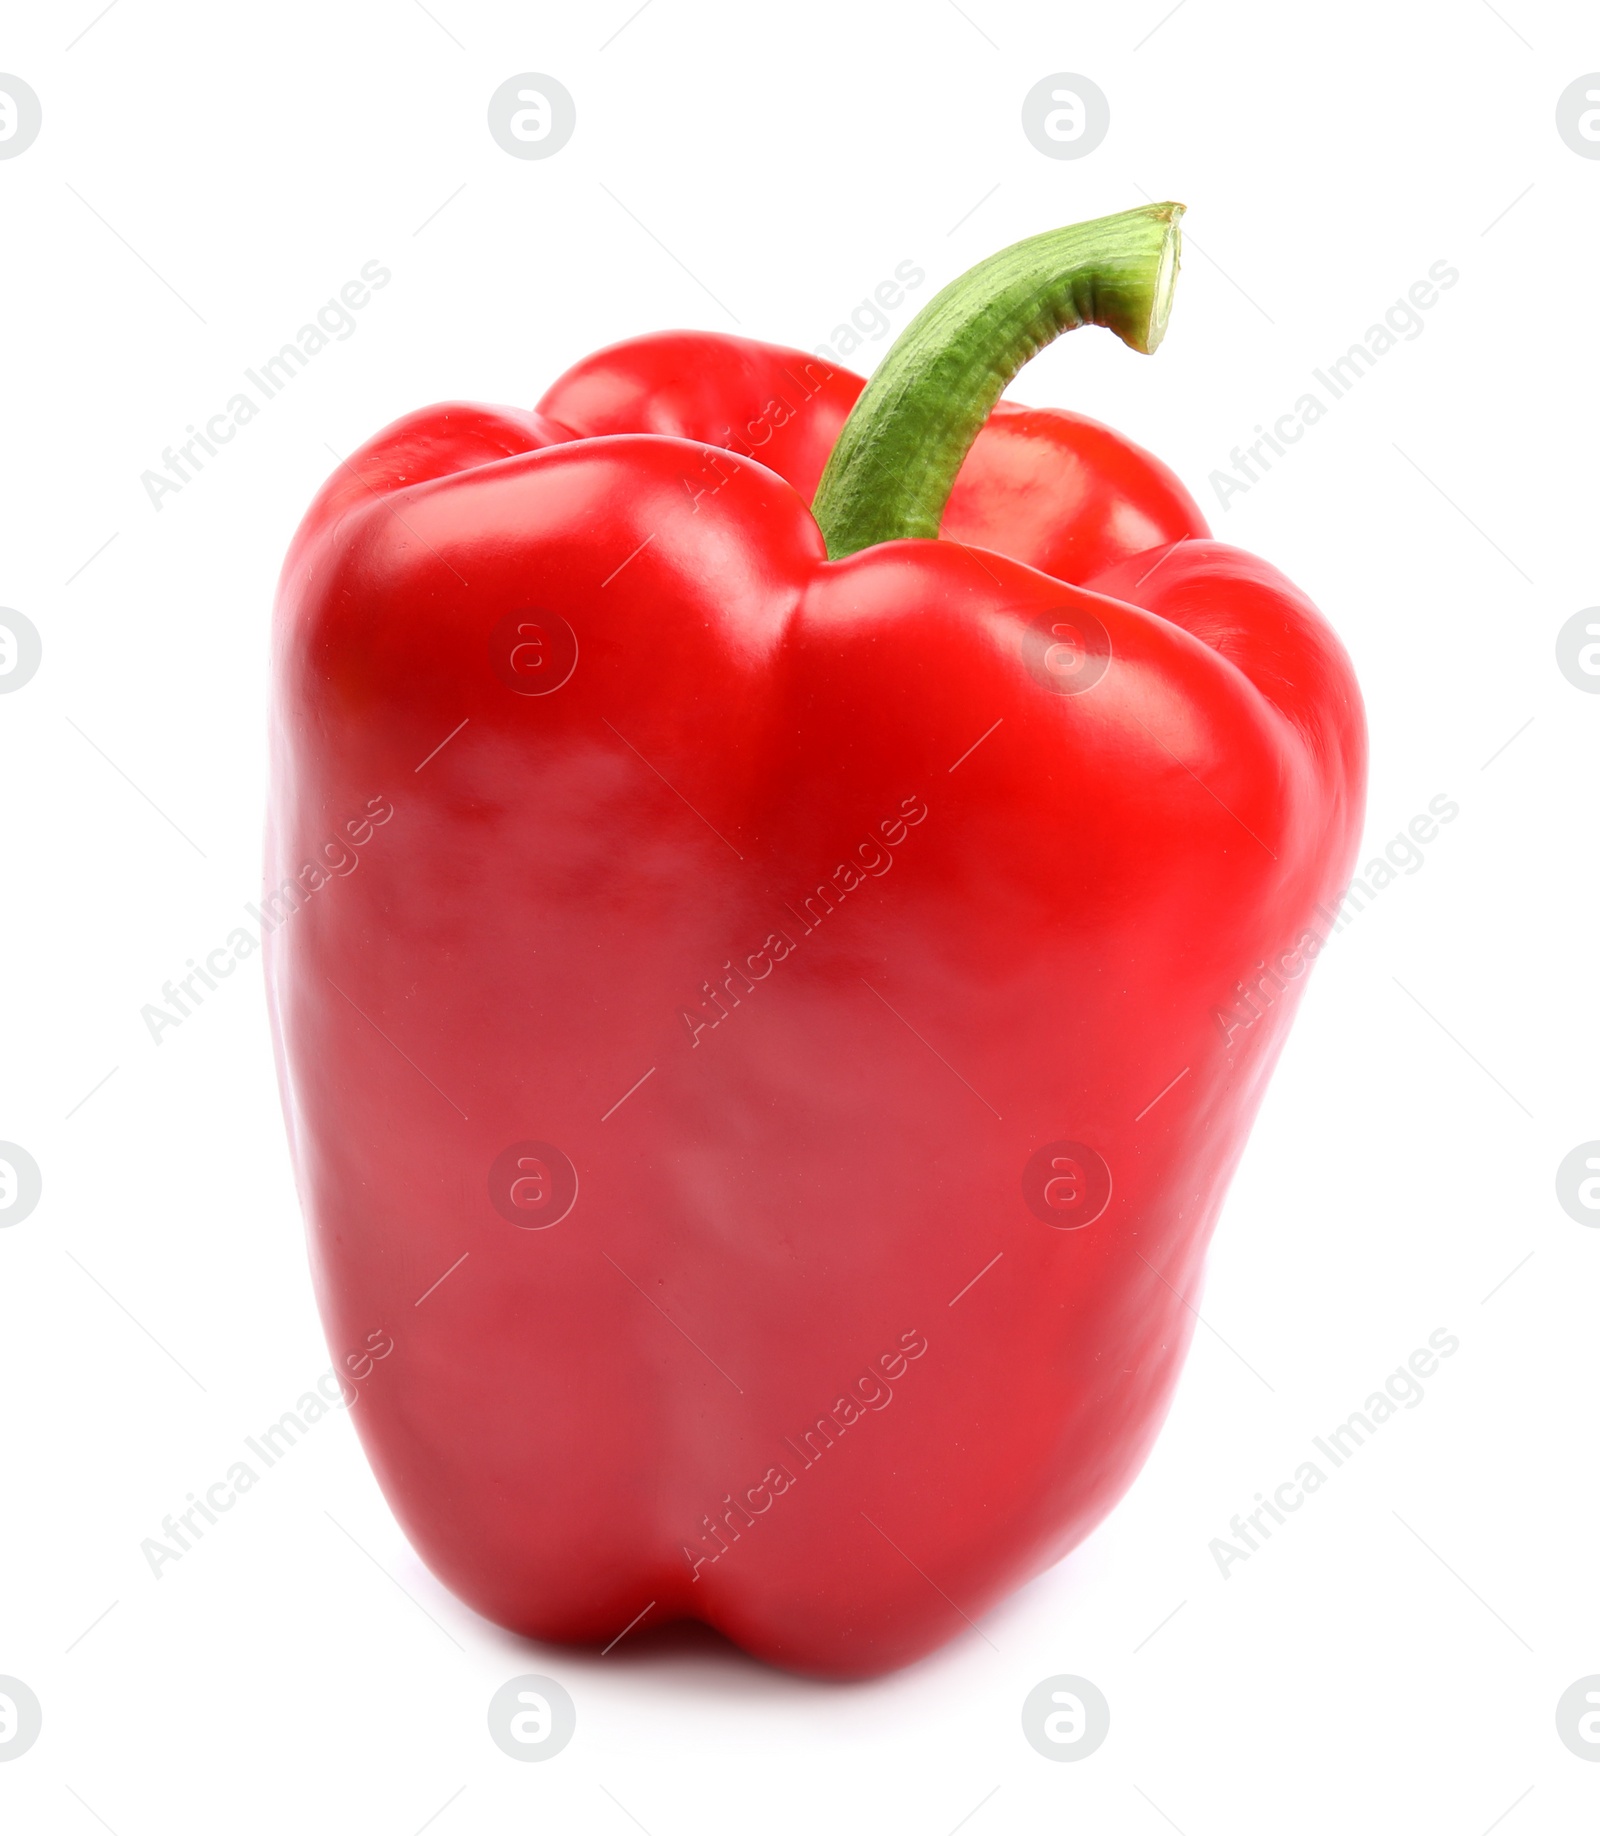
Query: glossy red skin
(1057, 490)
(792, 1193)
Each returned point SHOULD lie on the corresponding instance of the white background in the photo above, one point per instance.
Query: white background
(1396, 1652)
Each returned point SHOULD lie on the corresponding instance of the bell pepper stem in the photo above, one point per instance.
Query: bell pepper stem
(895, 462)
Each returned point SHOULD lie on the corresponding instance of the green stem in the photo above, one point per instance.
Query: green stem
(896, 458)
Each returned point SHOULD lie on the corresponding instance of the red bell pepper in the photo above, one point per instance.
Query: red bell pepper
(775, 1075)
